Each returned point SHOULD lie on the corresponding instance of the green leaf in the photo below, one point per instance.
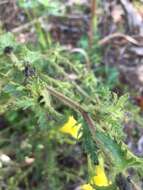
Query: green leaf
(28, 4)
(119, 153)
(7, 40)
(25, 103)
(44, 2)
(30, 56)
(42, 119)
(46, 97)
(89, 144)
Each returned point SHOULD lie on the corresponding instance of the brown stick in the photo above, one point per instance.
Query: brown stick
(113, 36)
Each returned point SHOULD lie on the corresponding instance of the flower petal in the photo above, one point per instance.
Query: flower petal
(71, 128)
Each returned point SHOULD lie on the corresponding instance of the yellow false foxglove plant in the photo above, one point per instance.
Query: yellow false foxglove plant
(72, 128)
(100, 179)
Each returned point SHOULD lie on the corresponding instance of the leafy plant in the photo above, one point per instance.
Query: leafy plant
(48, 87)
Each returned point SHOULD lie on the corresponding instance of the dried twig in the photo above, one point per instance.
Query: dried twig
(27, 25)
(113, 36)
(134, 19)
(82, 52)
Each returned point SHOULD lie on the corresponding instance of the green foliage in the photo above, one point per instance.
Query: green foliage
(7, 41)
(118, 153)
(53, 7)
(89, 144)
(46, 85)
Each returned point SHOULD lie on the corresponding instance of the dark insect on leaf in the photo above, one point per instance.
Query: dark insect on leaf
(8, 49)
(29, 71)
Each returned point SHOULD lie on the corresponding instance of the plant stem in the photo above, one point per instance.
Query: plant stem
(91, 27)
(74, 105)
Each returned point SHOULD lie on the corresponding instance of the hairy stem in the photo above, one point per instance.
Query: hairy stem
(74, 105)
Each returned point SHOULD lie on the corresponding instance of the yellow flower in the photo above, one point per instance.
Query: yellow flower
(86, 187)
(100, 179)
(71, 128)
